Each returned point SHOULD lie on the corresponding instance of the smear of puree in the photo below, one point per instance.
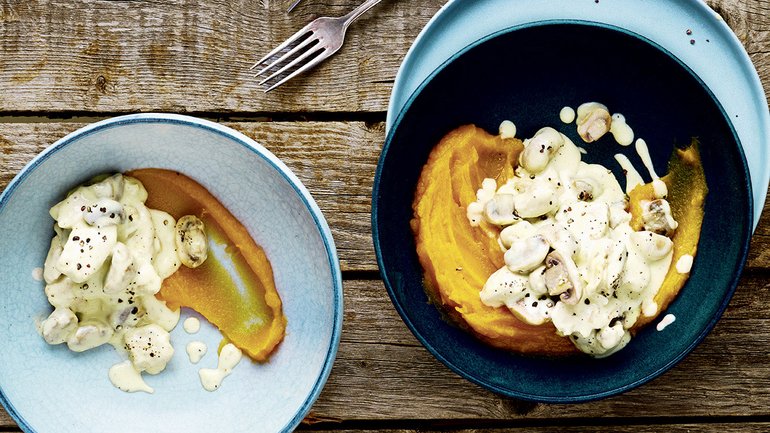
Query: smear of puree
(244, 305)
(458, 258)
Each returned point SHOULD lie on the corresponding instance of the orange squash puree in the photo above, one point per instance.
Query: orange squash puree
(242, 301)
(458, 258)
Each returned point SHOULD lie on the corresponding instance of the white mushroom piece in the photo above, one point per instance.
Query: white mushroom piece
(191, 241)
(104, 212)
(149, 348)
(651, 245)
(499, 210)
(537, 198)
(587, 189)
(59, 325)
(657, 218)
(539, 149)
(561, 278)
(88, 335)
(122, 270)
(593, 121)
(526, 254)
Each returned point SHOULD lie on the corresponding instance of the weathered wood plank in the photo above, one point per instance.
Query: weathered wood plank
(335, 160)
(390, 376)
(383, 373)
(193, 55)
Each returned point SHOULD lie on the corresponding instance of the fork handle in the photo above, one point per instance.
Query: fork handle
(357, 12)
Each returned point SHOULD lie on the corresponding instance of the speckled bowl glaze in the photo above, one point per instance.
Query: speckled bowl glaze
(50, 389)
(495, 79)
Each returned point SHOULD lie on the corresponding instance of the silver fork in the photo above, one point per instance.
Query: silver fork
(320, 39)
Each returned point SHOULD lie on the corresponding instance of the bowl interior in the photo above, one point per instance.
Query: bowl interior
(53, 389)
(527, 74)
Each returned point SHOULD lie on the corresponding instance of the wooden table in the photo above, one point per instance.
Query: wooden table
(65, 63)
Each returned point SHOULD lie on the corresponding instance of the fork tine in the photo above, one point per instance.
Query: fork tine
(288, 55)
(285, 44)
(321, 57)
(294, 62)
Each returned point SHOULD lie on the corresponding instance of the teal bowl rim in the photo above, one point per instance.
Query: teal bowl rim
(748, 224)
(260, 151)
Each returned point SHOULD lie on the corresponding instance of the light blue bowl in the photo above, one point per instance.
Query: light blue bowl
(50, 389)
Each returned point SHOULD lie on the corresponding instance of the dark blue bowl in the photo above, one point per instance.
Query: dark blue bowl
(527, 74)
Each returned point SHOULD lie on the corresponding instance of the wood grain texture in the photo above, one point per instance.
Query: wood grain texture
(335, 160)
(193, 55)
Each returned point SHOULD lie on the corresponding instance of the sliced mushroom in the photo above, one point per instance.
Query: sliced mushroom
(191, 243)
(532, 310)
(651, 245)
(537, 198)
(122, 270)
(618, 213)
(520, 230)
(104, 212)
(59, 325)
(540, 149)
(593, 121)
(560, 239)
(537, 281)
(587, 189)
(112, 187)
(503, 288)
(526, 254)
(499, 210)
(89, 335)
(60, 293)
(561, 278)
(657, 218)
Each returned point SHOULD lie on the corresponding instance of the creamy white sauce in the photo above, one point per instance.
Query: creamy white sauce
(37, 274)
(196, 350)
(126, 378)
(644, 153)
(633, 178)
(665, 321)
(623, 133)
(567, 115)
(606, 274)
(475, 210)
(229, 357)
(659, 188)
(106, 262)
(684, 264)
(191, 325)
(507, 129)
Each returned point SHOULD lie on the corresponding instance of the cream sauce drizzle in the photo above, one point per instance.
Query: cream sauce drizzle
(684, 264)
(229, 357)
(644, 153)
(37, 274)
(196, 350)
(126, 378)
(623, 133)
(665, 321)
(633, 178)
(567, 115)
(191, 325)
